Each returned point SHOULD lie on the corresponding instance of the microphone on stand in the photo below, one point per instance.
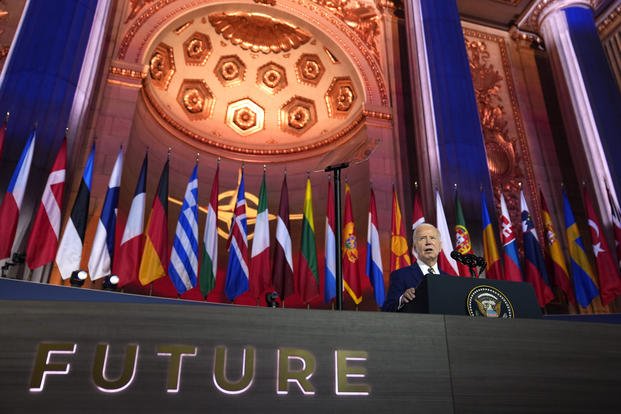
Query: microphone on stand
(470, 260)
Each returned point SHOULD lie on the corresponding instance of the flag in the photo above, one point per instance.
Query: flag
(69, 252)
(260, 267)
(351, 276)
(399, 250)
(209, 264)
(608, 272)
(374, 255)
(308, 277)
(183, 266)
(534, 265)
(585, 285)
(127, 262)
(43, 239)
(330, 248)
(462, 237)
(512, 269)
(237, 271)
(418, 217)
(616, 225)
(555, 254)
(102, 252)
(282, 278)
(445, 262)
(154, 260)
(12, 202)
(490, 248)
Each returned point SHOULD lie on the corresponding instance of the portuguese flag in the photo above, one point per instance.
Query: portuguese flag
(462, 237)
(308, 277)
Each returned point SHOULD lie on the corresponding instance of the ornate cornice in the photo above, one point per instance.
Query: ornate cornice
(532, 18)
(610, 21)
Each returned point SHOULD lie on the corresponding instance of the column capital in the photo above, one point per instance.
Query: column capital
(532, 18)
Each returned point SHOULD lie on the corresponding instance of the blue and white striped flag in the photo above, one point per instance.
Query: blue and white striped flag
(102, 253)
(183, 267)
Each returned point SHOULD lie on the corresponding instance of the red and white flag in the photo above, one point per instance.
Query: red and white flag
(445, 262)
(260, 267)
(127, 260)
(609, 279)
(43, 239)
(282, 277)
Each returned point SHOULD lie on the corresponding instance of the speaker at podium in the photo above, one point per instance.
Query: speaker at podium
(451, 295)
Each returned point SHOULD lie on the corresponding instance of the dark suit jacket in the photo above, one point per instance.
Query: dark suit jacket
(401, 280)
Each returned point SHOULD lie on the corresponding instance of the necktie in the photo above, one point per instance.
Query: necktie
(430, 271)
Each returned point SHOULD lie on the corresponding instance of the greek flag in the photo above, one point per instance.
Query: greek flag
(183, 266)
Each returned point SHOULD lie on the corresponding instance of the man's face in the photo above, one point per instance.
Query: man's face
(427, 244)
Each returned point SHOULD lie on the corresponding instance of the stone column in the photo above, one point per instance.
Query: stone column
(590, 98)
(450, 142)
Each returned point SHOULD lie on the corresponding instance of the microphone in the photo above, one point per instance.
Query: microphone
(470, 260)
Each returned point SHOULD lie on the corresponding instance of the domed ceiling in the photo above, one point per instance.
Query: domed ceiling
(232, 79)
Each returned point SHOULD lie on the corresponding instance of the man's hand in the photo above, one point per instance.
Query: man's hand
(408, 295)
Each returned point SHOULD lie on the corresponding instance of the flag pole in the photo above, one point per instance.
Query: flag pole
(336, 169)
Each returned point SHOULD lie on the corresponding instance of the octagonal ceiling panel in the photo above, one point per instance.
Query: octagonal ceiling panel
(282, 90)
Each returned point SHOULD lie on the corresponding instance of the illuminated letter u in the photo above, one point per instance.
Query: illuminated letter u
(219, 371)
(128, 373)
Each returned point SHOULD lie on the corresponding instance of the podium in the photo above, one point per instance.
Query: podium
(451, 295)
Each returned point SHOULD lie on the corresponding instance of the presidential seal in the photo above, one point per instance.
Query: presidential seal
(489, 302)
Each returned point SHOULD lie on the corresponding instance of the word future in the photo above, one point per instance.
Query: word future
(293, 367)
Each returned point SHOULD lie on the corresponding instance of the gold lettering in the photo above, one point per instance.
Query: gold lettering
(128, 373)
(176, 353)
(220, 379)
(43, 365)
(343, 371)
(300, 376)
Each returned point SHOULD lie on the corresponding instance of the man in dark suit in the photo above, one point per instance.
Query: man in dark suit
(403, 282)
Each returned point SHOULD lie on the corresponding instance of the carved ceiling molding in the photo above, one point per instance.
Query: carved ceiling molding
(611, 21)
(504, 133)
(533, 16)
(258, 32)
(320, 17)
(217, 146)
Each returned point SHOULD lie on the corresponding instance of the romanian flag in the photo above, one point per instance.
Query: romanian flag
(154, 261)
(555, 254)
(585, 284)
(490, 248)
(399, 251)
(308, 276)
(351, 276)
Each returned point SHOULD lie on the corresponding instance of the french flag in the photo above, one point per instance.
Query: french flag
(9, 211)
(512, 269)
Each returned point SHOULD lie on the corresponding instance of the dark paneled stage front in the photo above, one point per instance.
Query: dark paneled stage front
(75, 357)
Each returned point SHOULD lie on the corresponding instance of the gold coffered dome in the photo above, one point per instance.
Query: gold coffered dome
(252, 80)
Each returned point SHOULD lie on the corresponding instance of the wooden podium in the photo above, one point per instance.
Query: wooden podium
(450, 295)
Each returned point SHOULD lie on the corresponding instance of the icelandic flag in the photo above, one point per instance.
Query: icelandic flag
(512, 269)
(69, 253)
(330, 249)
(374, 269)
(183, 266)
(102, 253)
(9, 211)
(534, 264)
(237, 270)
